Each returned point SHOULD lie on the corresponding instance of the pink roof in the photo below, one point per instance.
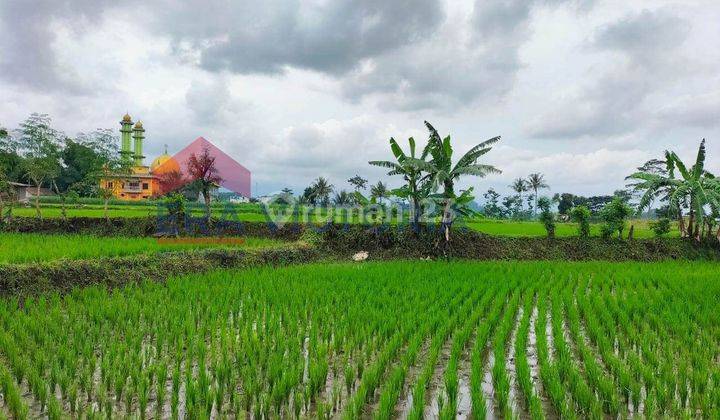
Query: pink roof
(235, 177)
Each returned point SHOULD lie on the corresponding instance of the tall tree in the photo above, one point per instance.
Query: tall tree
(695, 189)
(80, 163)
(519, 185)
(407, 166)
(536, 181)
(379, 191)
(40, 144)
(204, 176)
(358, 182)
(321, 190)
(6, 190)
(11, 164)
(441, 172)
(492, 207)
(104, 142)
(342, 198)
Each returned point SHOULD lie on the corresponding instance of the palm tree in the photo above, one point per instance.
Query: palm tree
(321, 190)
(379, 191)
(342, 198)
(695, 189)
(536, 182)
(441, 172)
(519, 185)
(407, 167)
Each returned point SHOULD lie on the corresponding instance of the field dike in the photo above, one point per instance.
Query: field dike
(63, 276)
(385, 241)
(330, 242)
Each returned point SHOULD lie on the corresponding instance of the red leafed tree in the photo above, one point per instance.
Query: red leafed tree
(171, 181)
(204, 175)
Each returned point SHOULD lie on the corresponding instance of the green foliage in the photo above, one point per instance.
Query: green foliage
(358, 182)
(80, 164)
(318, 193)
(614, 216)
(354, 340)
(37, 248)
(409, 166)
(546, 216)
(660, 227)
(175, 204)
(694, 191)
(581, 216)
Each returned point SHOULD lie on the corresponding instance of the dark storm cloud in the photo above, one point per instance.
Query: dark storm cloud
(267, 37)
(644, 57)
(27, 33)
(464, 62)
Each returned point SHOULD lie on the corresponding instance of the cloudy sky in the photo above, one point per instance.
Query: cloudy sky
(582, 91)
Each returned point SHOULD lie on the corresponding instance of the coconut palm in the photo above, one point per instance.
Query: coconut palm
(379, 191)
(441, 172)
(536, 182)
(696, 189)
(321, 190)
(519, 185)
(342, 198)
(414, 190)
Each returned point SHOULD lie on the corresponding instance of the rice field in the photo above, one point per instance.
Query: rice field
(406, 339)
(244, 213)
(523, 228)
(33, 247)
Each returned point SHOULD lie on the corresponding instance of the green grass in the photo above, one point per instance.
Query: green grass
(353, 340)
(31, 247)
(531, 228)
(245, 213)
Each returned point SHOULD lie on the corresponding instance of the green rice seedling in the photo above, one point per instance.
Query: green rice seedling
(522, 367)
(11, 395)
(278, 341)
(21, 248)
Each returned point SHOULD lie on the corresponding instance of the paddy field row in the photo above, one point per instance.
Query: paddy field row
(376, 340)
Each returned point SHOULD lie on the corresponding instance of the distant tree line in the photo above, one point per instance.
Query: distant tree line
(38, 154)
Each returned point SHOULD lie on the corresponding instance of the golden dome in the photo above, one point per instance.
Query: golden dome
(163, 164)
(138, 125)
(127, 118)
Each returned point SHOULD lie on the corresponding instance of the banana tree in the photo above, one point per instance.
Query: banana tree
(696, 189)
(441, 173)
(414, 191)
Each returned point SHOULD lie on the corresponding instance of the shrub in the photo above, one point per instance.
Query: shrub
(546, 216)
(660, 227)
(581, 216)
(613, 216)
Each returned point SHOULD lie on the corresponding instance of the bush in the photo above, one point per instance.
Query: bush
(613, 216)
(581, 216)
(660, 227)
(546, 216)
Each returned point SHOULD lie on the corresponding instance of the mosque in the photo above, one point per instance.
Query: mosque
(142, 182)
